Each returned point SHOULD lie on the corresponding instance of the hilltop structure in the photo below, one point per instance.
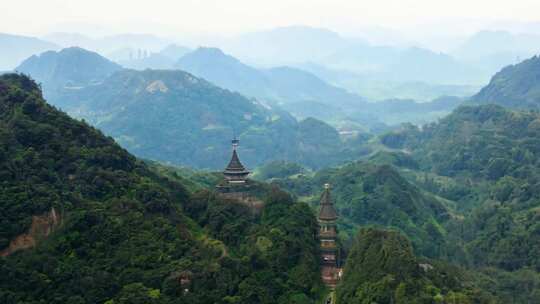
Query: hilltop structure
(330, 257)
(235, 173)
(236, 185)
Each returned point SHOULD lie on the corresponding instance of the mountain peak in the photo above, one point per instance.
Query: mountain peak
(515, 86)
(73, 66)
(208, 53)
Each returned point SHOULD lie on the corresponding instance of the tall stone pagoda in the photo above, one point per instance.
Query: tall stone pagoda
(330, 257)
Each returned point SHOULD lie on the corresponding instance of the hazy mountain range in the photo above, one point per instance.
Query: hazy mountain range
(68, 69)
(469, 64)
(280, 84)
(14, 49)
(187, 120)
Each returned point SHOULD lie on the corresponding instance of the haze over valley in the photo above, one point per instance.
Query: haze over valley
(297, 151)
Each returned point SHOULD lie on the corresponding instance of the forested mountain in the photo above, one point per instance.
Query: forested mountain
(464, 190)
(515, 86)
(106, 229)
(67, 70)
(382, 268)
(175, 117)
(484, 142)
(14, 49)
(485, 160)
(186, 120)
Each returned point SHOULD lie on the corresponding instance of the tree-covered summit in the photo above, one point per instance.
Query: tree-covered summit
(516, 86)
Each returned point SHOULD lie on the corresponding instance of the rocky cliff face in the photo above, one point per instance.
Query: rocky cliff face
(42, 226)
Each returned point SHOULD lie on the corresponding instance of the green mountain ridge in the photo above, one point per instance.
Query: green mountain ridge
(515, 86)
(198, 120)
(382, 268)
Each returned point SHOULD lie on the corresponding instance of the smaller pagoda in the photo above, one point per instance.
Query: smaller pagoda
(330, 263)
(235, 173)
(235, 186)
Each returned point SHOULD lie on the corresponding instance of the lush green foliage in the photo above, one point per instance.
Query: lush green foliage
(382, 268)
(484, 157)
(278, 169)
(128, 235)
(367, 194)
(484, 160)
(515, 86)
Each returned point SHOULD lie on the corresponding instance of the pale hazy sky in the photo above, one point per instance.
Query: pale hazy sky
(169, 17)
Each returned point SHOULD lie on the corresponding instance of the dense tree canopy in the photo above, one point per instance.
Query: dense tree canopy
(129, 235)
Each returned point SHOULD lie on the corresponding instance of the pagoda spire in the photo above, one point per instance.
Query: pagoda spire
(327, 212)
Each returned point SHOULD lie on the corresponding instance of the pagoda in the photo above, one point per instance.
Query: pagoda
(330, 263)
(235, 173)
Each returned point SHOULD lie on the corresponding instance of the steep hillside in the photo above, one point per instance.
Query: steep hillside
(484, 158)
(382, 268)
(14, 49)
(486, 142)
(118, 233)
(175, 117)
(516, 86)
(68, 69)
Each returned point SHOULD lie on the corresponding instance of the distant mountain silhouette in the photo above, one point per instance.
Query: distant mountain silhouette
(283, 85)
(285, 45)
(14, 49)
(68, 69)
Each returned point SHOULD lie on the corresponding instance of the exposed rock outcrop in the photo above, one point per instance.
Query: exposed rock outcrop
(42, 226)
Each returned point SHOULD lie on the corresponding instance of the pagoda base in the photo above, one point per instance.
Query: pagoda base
(240, 193)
